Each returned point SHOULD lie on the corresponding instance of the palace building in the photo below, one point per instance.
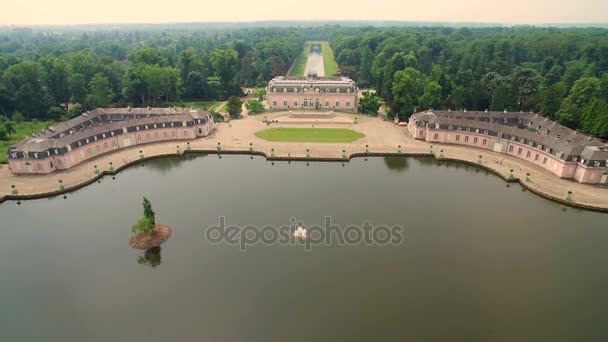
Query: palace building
(104, 130)
(330, 93)
(528, 136)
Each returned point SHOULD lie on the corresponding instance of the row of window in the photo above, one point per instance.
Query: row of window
(308, 103)
(156, 135)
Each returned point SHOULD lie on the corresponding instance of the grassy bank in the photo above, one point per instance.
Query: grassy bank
(329, 62)
(309, 135)
(300, 64)
(202, 105)
(21, 130)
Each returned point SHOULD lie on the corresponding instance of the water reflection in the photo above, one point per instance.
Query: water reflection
(398, 164)
(168, 163)
(151, 257)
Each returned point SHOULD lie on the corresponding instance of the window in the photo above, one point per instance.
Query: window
(326, 103)
(457, 137)
(98, 148)
(474, 140)
(200, 131)
(295, 103)
(436, 136)
(545, 160)
(484, 142)
(519, 151)
(185, 133)
(138, 137)
(165, 134)
(421, 132)
(528, 154)
(114, 143)
(305, 102)
(536, 157)
(274, 103)
(466, 138)
(284, 103)
(347, 104)
(337, 103)
(105, 145)
(147, 136)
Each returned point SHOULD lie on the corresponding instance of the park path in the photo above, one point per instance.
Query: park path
(380, 137)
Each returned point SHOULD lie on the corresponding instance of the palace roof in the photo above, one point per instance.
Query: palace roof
(289, 84)
(105, 120)
(524, 127)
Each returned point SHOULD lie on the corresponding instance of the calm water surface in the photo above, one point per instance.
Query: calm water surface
(479, 262)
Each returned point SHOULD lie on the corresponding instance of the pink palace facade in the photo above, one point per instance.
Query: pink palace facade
(328, 93)
(528, 136)
(104, 130)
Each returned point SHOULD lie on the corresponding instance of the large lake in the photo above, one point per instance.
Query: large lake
(479, 261)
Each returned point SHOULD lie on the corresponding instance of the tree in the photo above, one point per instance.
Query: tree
(10, 127)
(369, 104)
(234, 106)
(26, 85)
(407, 88)
(225, 65)
(77, 87)
(552, 98)
(148, 211)
(254, 106)
(594, 119)
(147, 222)
(100, 95)
(259, 93)
(3, 133)
(432, 95)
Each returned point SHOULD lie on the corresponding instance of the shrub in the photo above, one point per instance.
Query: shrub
(144, 225)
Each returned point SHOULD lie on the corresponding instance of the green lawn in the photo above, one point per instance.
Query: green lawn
(309, 135)
(22, 129)
(203, 105)
(300, 63)
(329, 62)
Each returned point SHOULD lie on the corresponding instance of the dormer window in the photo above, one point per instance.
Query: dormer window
(574, 159)
(477, 130)
(505, 120)
(284, 90)
(485, 132)
(459, 128)
(596, 164)
(468, 129)
(450, 127)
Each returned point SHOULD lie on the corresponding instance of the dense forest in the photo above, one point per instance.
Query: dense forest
(559, 72)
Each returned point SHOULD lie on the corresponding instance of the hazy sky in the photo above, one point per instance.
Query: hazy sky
(28, 12)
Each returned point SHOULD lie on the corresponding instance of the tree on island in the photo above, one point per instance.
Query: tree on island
(146, 223)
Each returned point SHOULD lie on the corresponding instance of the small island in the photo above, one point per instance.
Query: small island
(148, 234)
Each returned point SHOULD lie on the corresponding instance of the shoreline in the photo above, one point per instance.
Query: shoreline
(132, 163)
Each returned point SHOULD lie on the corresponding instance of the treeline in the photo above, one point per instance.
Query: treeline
(41, 72)
(561, 73)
